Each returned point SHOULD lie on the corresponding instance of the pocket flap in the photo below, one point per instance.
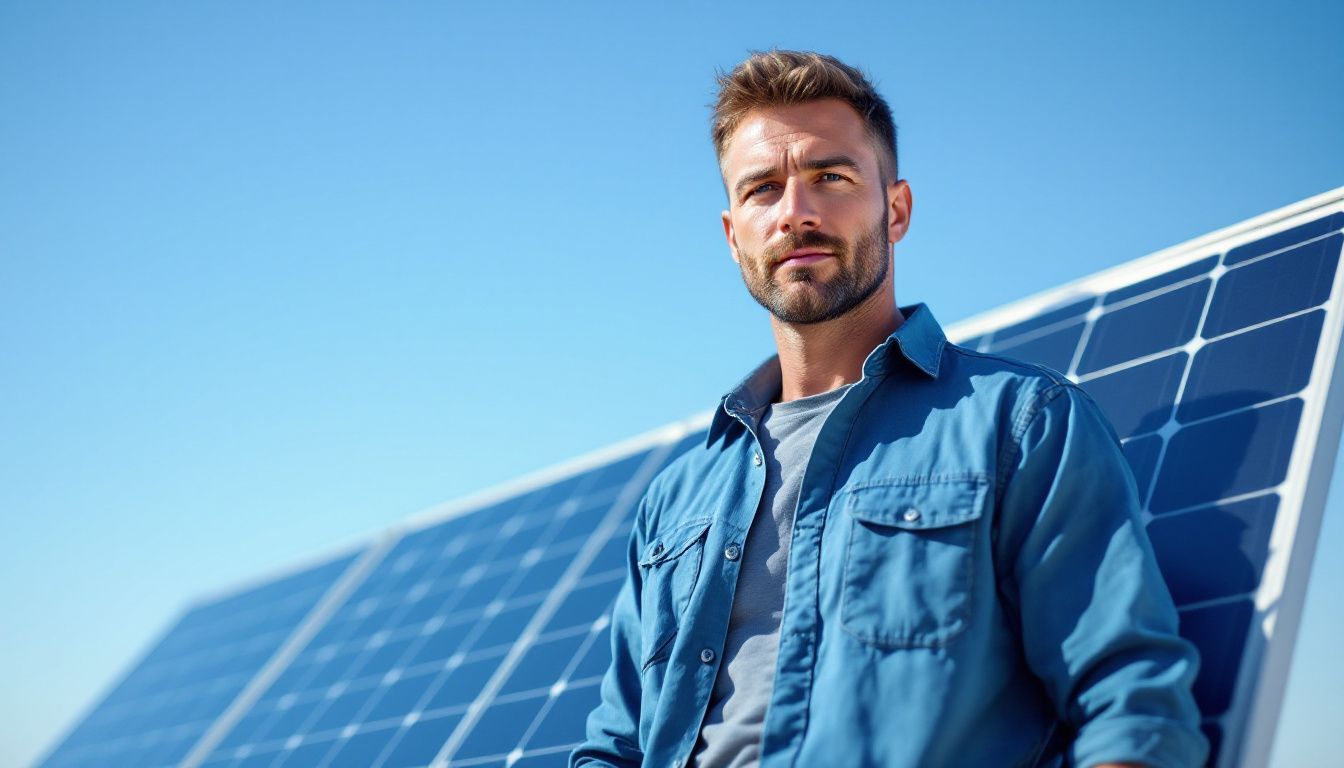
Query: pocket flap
(918, 505)
(673, 543)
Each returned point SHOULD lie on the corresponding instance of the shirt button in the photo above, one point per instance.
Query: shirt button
(732, 552)
(707, 656)
(756, 459)
(911, 515)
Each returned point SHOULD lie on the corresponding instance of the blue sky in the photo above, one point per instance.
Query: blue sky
(274, 278)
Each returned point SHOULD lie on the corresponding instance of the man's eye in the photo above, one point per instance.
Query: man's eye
(830, 176)
(766, 187)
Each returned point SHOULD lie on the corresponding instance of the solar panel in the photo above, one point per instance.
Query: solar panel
(170, 698)
(475, 635)
(1215, 362)
(478, 635)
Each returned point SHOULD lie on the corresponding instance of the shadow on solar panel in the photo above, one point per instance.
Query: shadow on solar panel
(476, 634)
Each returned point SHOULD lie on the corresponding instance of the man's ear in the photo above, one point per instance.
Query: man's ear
(900, 202)
(728, 235)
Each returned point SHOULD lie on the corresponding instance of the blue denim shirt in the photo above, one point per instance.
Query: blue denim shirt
(969, 582)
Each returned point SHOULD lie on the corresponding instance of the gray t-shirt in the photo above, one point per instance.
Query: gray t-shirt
(730, 736)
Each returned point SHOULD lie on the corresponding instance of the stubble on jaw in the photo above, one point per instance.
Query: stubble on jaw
(861, 270)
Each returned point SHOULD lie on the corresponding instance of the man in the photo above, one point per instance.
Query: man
(889, 550)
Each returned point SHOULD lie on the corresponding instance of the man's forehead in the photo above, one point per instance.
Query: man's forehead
(767, 134)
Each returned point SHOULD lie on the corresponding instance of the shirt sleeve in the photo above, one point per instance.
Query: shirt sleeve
(612, 735)
(1097, 622)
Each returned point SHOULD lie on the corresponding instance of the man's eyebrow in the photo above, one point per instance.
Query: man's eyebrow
(830, 161)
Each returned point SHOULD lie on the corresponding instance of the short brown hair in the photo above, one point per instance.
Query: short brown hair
(780, 78)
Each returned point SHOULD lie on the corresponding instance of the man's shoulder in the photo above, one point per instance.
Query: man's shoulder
(991, 373)
(1027, 389)
(970, 362)
(998, 392)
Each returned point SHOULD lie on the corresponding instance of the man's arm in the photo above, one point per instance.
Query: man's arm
(1098, 624)
(613, 727)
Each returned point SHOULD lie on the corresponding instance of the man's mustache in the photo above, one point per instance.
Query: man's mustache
(808, 239)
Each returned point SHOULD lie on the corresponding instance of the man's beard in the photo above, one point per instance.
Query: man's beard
(859, 274)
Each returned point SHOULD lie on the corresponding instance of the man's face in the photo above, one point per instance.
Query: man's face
(810, 219)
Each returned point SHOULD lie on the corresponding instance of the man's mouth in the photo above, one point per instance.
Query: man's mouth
(803, 257)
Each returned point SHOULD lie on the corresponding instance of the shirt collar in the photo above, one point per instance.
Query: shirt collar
(919, 342)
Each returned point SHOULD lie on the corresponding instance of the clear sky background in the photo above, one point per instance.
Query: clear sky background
(273, 278)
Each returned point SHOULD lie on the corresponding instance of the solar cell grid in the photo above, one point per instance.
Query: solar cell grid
(1053, 346)
(427, 629)
(1132, 330)
(160, 710)
(1164, 280)
(1072, 310)
(1259, 364)
(1274, 285)
(564, 661)
(1280, 240)
(1139, 399)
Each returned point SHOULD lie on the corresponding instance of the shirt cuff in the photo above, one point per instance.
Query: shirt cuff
(1152, 741)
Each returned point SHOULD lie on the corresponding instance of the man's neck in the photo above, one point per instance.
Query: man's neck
(820, 357)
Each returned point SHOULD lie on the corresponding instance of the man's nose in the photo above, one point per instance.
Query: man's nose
(797, 209)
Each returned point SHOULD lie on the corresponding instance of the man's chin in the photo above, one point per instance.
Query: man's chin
(798, 303)
(802, 313)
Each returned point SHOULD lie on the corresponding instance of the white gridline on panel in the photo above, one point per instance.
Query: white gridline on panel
(362, 563)
(560, 589)
(593, 631)
(613, 521)
(583, 499)
(362, 642)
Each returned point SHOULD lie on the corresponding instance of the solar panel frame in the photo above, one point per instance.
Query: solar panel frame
(1249, 724)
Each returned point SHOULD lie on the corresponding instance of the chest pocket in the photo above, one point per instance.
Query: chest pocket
(669, 567)
(910, 560)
